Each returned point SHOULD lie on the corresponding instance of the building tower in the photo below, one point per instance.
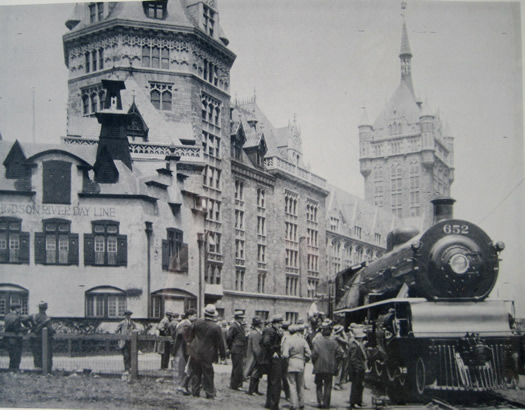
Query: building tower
(406, 155)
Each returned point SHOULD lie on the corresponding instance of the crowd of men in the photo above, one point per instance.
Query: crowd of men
(18, 325)
(274, 348)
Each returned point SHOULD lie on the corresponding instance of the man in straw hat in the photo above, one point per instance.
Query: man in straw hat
(236, 341)
(207, 344)
(296, 352)
(357, 354)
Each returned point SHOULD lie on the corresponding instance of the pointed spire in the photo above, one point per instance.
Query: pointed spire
(405, 55)
(364, 118)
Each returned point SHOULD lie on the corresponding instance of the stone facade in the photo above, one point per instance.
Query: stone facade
(407, 154)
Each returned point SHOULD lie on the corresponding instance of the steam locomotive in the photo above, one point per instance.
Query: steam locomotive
(430, 324)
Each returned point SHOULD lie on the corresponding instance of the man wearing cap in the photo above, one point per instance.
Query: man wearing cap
(254, 369)
(340, 337)
(14, 324)
(40, 321)
(296, 352)
(182, 342)
(357, 354)
(236, 341)
(271, 341)
(207, 343)
(125, 328)
(163, 347)
(325, 355)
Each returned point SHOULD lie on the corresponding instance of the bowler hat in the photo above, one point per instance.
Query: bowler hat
(358, 333)
(256, 320)
(42, 305)
(128, 313)
(15, 306)
(210, 311)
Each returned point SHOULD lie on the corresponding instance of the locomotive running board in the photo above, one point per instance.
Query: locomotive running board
(455, 319)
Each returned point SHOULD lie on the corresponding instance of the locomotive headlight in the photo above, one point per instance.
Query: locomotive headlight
(459, 263)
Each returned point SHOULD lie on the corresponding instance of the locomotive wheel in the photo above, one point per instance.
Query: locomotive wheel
(420, 376)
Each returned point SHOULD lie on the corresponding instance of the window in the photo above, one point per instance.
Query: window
(414, 189)
(261, 198)
(334, 223)
(208, 20)
(56, 245)
(358, 232)
(174, 252)
(161, 96)
(214, 210)
(313, 264)
(211, 144)
(105, 247)
(377, 238)
(14, 244)
(56, 182)
(239, 191)
(291, 285)
(378, 186)
(239, 219)
(214, 242)
(263, 314)
(292, 317)
(213, 274)
(155, 57)
(261, 225)
(211, 110)
(239, 279)
(11, 295)
(290, 204)
(261, 282)
(291, 258)
(212, 177)
(312, 288)
(96, 12)
(236, 149)
(312, 237)
(311, 212)
(396, 181)
(92, 100)
(105, 302)
(155, 9)
(239, 251)
(261, 253)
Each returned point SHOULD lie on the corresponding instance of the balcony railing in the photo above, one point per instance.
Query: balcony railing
(276, 163)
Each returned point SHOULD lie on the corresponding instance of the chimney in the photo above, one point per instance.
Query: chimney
(443, 209)
(114, 124)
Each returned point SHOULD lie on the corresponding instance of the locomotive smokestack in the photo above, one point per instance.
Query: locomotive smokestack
(443, 209)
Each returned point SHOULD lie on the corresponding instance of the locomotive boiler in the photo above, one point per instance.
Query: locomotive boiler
(431, 326)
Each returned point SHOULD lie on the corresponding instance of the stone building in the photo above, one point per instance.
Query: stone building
(407, 154)
(165, 194)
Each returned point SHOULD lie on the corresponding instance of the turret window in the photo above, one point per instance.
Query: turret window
(96, 12)
(155, 9)
(208, 20)
(94, 60)
(161, 96)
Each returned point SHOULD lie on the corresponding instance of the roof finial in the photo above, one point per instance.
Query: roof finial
(254, 95)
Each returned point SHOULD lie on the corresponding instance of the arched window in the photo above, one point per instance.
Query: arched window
(155, 98)
(105, 302)
(11, 295)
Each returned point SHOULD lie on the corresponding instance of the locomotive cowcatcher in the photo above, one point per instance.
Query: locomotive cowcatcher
(430, 324)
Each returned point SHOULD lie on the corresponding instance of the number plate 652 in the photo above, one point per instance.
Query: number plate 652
(455, 229)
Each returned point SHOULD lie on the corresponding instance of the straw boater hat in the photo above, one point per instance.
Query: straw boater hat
(358, 333)
(210, 311)
(338, 329)
(327, 323)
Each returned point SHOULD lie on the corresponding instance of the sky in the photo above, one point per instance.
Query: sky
(321, 61)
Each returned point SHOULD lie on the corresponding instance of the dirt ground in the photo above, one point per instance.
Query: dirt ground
(79, 391)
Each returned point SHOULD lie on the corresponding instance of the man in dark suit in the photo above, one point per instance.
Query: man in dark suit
(207, 344)
(272, 356)
(357, 368)
(125, 328)
(14, 324)
(40, 321)
(236, 341)
(254, 366)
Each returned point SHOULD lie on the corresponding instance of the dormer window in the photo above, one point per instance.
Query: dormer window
(208, 20)
(96, 12)
(155, 9)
